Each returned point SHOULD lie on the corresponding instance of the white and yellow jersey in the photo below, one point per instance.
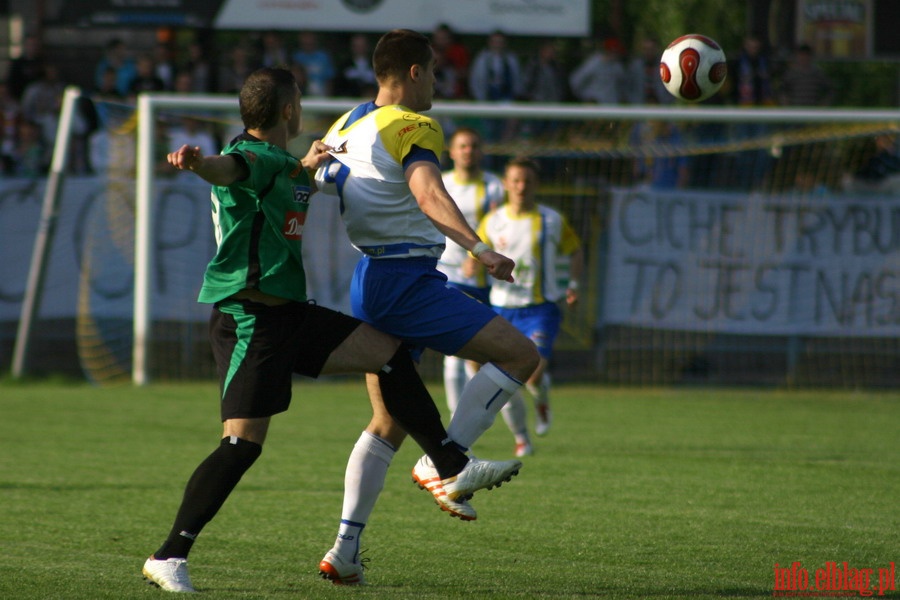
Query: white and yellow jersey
(474, 199)
(535, 240)
(371, 146)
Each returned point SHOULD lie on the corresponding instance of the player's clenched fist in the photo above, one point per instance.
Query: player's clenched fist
(499, 266)
(185, 158)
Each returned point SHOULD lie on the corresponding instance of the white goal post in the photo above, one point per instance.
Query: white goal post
(43, 239)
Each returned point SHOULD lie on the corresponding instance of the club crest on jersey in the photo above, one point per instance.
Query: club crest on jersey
(293, 225)
(301, 194)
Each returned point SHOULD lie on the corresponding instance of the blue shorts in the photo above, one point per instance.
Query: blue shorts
(411, 300)
(482, 294)
(540, 323)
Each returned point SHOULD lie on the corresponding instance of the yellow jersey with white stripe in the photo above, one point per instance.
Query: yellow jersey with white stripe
(535, 240)
(371, 147)
(474, 199)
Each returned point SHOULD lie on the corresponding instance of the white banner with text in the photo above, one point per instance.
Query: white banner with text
(754, 264)
(693, 261)
(90, 264)
(513, 17)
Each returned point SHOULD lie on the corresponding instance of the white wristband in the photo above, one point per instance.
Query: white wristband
(479, 249)
(573, 285)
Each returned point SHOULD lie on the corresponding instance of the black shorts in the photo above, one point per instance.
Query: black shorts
(258, 348)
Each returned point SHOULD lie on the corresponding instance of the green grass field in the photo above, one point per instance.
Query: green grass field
(636, 493)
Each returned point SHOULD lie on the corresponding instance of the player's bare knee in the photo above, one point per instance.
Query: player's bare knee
(388, 430)
(377, 347)
(522, 360)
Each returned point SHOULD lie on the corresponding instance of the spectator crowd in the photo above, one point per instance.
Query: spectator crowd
(601, 71)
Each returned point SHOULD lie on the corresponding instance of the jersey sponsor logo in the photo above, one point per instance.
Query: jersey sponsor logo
(414, 127)
(293, 225)
(301, 194)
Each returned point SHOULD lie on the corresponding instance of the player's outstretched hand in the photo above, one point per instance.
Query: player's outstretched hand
(185, 158)
(499, 266)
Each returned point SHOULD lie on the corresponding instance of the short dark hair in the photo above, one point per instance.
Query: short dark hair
(525, 162)
(397, 51)
(464, 130)
(263, 95)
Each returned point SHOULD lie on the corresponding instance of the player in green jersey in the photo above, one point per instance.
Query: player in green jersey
(263, 328)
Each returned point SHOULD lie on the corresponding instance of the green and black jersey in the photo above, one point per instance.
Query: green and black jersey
(259, 225)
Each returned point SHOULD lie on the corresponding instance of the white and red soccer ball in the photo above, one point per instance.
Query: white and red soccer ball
(693, 67)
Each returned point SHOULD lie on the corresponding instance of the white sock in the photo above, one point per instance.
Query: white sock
(514, 414)
(481, 400)
(454, 380)
(541, 391)
(363, 482)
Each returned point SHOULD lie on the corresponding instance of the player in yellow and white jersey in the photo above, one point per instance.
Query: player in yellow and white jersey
(386, 171)
(536, 237)
(476, 192)
(264, 328)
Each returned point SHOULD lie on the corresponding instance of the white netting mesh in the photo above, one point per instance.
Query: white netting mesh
(717, 250)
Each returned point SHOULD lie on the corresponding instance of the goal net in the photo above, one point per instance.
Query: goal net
(722, 245)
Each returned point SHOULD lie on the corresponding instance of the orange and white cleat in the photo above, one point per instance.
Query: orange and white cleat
(426, 476)
(341, 572)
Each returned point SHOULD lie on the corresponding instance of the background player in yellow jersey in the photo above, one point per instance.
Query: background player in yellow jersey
(535, 236)
(386, 172)
(476, 192)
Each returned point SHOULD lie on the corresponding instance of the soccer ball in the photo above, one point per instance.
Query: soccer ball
(693, 67)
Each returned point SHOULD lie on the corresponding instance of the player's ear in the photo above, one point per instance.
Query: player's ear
(414, 72)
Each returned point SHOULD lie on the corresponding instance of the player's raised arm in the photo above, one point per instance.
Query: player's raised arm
(425, 183)
(217, 169)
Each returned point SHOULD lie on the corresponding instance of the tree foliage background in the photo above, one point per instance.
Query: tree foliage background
(665, 20)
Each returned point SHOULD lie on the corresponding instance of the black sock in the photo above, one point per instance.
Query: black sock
(205, 493)
(411, 406)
